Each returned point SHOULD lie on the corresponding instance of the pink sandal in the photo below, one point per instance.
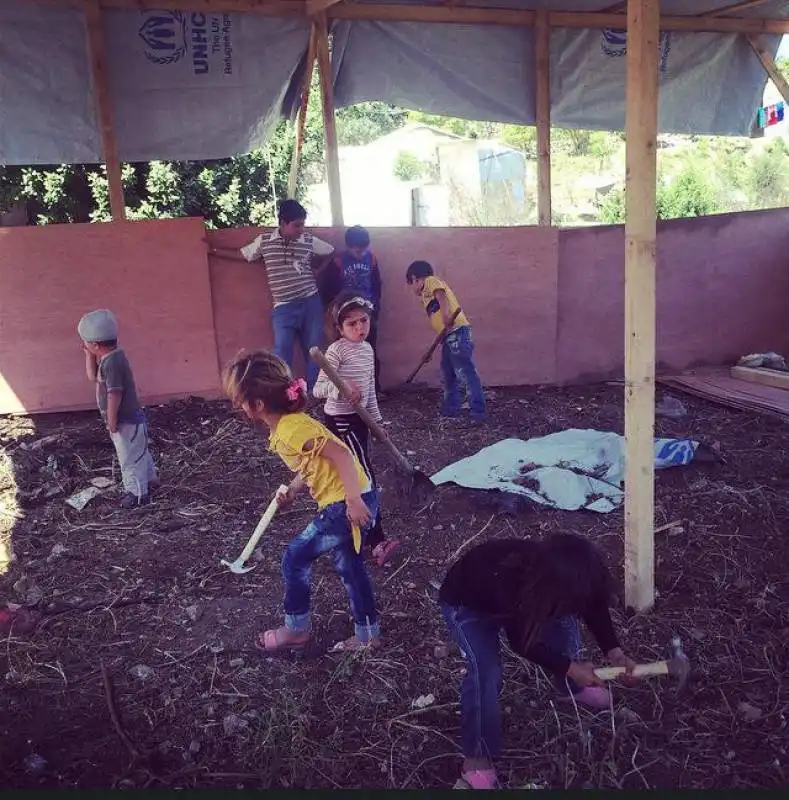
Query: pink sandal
(384, 551)
(478, 779)
(271, 642)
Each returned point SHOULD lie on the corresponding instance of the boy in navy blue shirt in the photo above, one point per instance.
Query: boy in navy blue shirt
(356, 270)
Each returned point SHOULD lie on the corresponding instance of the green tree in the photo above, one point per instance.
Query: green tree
(408, 167)
(364, 122)
(767, 182)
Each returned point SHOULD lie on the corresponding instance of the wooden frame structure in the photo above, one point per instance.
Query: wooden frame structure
(643, 21)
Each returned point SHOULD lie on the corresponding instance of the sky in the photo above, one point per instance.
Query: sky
(783, 50)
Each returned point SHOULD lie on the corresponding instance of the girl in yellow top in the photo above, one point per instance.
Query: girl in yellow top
(261, 384)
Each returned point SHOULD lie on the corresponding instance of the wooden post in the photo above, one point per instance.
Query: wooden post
(770, 67)
(301, 118)
(97, 52)
(329, 129)
(643, 31)
(543, 117)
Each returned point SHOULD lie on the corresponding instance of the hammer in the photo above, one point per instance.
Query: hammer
(676, 667)
(238, 566)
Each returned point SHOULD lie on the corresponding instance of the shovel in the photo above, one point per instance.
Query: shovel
(429, 354)
(417, 486)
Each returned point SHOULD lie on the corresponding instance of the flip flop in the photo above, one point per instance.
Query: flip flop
(387, 550)
(269, 642)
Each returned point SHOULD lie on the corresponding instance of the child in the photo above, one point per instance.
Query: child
(352, 358)
(457, 349)
(106, 364)
(534, 590)
(262, 385)
(292, 258)
(356, 270)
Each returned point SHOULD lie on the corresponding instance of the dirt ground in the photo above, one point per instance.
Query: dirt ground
(141, 622)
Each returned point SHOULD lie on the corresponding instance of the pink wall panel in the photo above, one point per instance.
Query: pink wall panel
(546, 305)
(505, 279)
(153, 275)
(722, 289)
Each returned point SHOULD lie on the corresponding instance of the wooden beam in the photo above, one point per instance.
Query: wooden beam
(316, 6)
(543, 117)
(463, 15)
(770, 67)
(643, 17)
(97, 53)
(765, 377)
(301, 117)
(329, 127)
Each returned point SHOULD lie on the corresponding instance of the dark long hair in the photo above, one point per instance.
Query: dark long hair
(564, 575)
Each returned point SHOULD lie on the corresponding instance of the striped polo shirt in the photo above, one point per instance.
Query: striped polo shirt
(354, 362)
(288, 263)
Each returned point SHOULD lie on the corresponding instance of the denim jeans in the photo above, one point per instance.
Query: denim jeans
(477, 635)
(330, 532)
(300, 319)
(457, 365)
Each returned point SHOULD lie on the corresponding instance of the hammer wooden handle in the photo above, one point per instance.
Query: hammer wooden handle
(260, 528)
(639, 671)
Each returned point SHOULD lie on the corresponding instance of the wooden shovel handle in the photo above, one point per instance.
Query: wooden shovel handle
(436, 342)
(375, 428)
(639, 671)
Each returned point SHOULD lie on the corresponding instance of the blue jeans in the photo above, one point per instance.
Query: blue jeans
(457, 365)
(477, 635)
(300, 319)
(330, 532)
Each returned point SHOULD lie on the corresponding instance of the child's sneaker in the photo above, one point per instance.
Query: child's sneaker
(129, 501)
(592, 697)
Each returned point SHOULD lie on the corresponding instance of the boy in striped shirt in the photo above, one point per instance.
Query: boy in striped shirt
(288, 254)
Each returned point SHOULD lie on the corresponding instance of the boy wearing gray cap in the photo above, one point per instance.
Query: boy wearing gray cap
(116, 394)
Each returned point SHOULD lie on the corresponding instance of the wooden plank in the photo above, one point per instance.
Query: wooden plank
(463, 15)
(543, 118)
(765, 377)
(640, 256)
(97, 53)
(769, 65)
(316, 6)
(301, 117)
(329, 127)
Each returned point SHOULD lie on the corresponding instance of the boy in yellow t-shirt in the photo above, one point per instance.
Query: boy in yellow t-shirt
(457, 349)
(261, 384)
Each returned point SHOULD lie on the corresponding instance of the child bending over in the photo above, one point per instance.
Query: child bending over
(535, 591)
(457, 349)
(352, 357)
(116, 395)
(262, 385)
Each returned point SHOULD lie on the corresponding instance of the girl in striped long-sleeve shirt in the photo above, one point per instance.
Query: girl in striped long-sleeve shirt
(352, 357)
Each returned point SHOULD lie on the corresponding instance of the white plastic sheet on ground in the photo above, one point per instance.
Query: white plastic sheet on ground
(570, 470)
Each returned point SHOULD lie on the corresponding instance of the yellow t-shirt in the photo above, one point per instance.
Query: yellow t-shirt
(430, 302)
(288, 441)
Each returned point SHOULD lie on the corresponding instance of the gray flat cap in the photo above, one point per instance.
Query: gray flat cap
(98, 326)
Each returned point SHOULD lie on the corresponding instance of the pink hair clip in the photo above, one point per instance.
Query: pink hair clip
(295, 387)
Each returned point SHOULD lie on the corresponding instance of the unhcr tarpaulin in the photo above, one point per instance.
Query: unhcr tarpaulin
(709, 83)
(201, 85)
(184, 85)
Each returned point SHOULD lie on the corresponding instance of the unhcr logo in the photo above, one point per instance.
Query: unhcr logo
(169, 35)
(613, 43)
(164, 34)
